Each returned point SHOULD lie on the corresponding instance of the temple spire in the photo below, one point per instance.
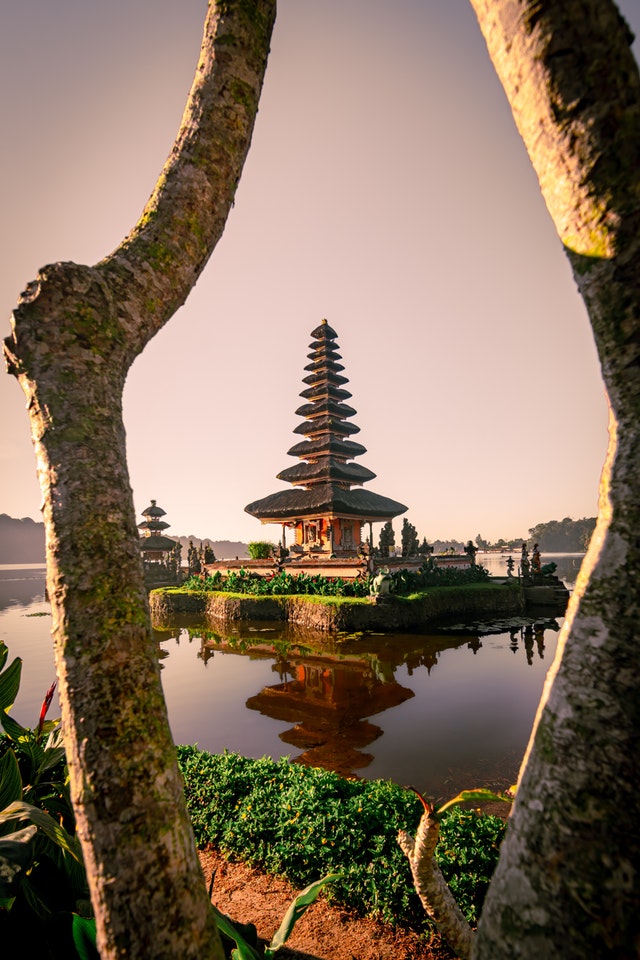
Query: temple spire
(326, 512)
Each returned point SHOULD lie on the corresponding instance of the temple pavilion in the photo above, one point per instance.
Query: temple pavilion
(160, 554)
(322, 509)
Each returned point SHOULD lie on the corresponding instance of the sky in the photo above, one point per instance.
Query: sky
(386, 190)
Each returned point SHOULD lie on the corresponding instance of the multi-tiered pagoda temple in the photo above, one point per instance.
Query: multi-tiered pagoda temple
(160, 554)
(322, 509)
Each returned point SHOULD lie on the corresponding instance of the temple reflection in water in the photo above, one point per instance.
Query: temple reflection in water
(328, 701)
(328, 696)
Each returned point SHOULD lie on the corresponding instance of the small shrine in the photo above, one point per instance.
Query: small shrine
(160, 554)
(323, 511)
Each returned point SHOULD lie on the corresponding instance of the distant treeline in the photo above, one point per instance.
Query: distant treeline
(563, 536)
(555, 536)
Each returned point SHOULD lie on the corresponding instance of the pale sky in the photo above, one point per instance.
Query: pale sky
(386, 189)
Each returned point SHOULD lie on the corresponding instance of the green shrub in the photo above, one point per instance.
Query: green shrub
(261, 549)
(432, 575)
(281, 583)
(301, 822)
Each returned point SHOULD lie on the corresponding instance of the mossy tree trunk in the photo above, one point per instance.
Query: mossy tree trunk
(76, 331)
(567, 884)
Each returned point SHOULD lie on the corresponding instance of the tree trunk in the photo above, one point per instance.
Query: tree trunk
(76, 331)
(567, 883)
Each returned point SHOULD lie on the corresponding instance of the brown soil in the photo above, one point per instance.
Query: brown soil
(324, 933)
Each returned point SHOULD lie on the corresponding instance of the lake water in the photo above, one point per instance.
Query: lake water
(441, 712)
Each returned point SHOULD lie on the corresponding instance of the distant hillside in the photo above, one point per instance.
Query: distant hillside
(223, 549)
(21, 541)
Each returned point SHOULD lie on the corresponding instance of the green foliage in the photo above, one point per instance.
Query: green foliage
(84, 937)
(281, 583)
(432, 575)
(284, 583)
(298, 821)
(260, 549)
(43, 876)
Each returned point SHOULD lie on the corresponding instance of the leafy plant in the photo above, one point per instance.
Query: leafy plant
(43, 876)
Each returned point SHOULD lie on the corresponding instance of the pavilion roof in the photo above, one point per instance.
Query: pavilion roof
(325, 499)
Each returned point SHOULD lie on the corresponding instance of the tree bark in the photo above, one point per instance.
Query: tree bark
(76, 331)
(567, 883)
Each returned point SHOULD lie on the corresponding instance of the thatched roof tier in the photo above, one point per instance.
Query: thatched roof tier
(153, 525)
(325, 390)
(339, 428)
(157, 543)
(325, 500)
(327, 447)
(324, 353)
(327, 407)
(320, 376)
(322, 364)
(154, 511)
(324, 332)
(326, 468)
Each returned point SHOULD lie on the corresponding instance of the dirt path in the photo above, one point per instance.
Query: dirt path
(324, 933)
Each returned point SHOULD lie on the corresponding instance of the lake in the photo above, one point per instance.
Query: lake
(441, 712)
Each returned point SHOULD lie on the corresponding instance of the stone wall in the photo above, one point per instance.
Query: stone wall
(438, 606)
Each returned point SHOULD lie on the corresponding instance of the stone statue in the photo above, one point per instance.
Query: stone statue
(524, 561)
(535, 559)
(381, 583)
(193, 558)
(471, 551)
